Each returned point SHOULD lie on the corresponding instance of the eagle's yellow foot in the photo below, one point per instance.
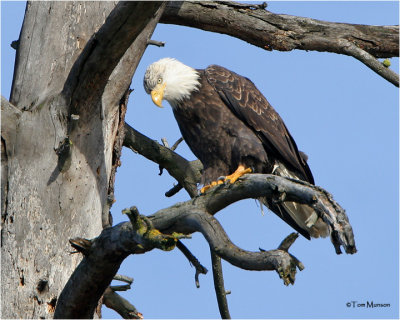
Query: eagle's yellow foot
(212, 184)
(240, 171)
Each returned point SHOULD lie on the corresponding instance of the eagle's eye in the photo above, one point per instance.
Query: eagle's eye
(159, 80)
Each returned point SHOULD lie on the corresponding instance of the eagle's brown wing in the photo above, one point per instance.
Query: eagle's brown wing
(248, 103)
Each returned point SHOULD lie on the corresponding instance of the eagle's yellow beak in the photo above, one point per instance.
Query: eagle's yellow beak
(157, 94)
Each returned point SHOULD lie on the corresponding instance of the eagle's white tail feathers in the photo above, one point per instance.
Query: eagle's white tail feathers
(305, 217)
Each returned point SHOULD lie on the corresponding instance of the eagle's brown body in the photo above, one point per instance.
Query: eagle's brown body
(228, 122)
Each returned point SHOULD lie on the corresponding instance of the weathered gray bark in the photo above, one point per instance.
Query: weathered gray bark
(63, 72)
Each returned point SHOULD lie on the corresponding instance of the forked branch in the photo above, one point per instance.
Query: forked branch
(255, 186)
(114, 244)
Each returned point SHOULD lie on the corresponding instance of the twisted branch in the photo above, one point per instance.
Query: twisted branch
(115, 244)
(220, 197)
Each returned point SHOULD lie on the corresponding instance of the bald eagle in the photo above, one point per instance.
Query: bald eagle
(231, 127)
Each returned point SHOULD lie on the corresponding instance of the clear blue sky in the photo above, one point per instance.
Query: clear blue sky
(340, 113)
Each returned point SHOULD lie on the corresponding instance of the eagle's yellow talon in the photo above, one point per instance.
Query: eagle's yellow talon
(240, 171)
(205, 188)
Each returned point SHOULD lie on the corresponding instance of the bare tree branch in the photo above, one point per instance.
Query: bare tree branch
(193, 260)
(156, 43)
(279, 188)
(102, 258)
(123, 278)
(281, 32)
(123, 287)
(119, 304)
(288, 241)
(192, 190)
(142, 234)
(370, 61)
(219, 285)
(174, 190)
(278, 260)
(216, 260)
(187, 173)
(334, 216)
(272, 31)
(176, 144)
(93, 275)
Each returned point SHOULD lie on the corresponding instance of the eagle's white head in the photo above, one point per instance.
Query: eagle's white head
(171, 80)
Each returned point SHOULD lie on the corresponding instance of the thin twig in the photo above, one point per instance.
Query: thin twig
(176, 144)
(193, 260)
(119, 304)
(219, 285)
(81, 245)
(370, 61)
(165, 143)
(156, 43)
(123, 278)
(288, 241)
(174, 190)
(124, 287)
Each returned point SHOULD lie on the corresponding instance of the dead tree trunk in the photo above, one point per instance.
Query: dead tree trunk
(62, 134)
(61, 139)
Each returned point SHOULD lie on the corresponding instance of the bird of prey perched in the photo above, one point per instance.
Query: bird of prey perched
(231, 127)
